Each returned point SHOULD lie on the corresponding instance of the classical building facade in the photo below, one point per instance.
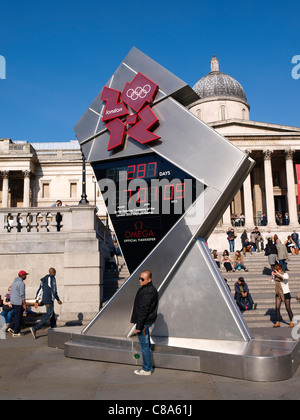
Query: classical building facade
(270, 192)
(37, 174)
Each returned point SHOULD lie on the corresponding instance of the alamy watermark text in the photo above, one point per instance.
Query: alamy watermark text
(296, 68)
(2, 67)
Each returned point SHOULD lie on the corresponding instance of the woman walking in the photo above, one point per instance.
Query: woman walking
(282, 293)
(271, 252)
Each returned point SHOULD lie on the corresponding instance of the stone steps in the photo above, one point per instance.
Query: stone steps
(114, 280)
(263, 291)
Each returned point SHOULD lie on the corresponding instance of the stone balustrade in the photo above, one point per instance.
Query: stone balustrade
(29, 220)
(78, 248)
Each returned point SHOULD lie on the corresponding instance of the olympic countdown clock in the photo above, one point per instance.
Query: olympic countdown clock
(166, 179)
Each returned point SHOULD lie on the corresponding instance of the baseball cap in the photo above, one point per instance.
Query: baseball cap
(22, 272)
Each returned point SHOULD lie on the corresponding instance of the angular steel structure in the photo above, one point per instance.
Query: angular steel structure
(199, 326)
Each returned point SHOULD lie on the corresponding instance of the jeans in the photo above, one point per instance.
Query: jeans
(231, 245)
(241, 302)
(6, 317)
(237, 266)
(47, 315)
(144, 339)
(283, 263)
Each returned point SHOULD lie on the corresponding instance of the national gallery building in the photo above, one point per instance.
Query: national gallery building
(38, 174)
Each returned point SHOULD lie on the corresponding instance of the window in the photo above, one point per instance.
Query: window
(223, 112)
(276, 179)
(199, 113)
(46, 190)
(73, 189)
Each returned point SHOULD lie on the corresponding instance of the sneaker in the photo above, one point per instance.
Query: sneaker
(10, 330)
(17, 335)
(143, 372)
(33, 332)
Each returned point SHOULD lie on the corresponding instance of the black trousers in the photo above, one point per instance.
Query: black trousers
(16, 321)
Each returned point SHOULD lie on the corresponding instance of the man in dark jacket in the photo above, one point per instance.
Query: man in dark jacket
(144, 315)
(46, 293)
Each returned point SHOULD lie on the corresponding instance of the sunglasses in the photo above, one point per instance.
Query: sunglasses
(141, 279)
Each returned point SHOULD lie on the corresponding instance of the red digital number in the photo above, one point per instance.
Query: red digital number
(129, 195)
(142, 195)
(141, 170)
(152, 169)
(130, 173)
(179, 191)
(171, 193)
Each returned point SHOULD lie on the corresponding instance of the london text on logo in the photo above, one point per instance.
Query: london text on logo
(134, 104)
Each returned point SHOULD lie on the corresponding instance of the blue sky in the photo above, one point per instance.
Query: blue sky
(59, 54)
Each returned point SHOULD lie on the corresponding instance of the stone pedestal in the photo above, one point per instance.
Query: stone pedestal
(77, 252)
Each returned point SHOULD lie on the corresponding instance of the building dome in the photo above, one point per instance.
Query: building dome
(221, 97)
(219, 85)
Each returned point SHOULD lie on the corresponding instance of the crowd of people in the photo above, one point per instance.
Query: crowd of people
(277, 254)
(281, 219)
(15, 306)
(256, 242)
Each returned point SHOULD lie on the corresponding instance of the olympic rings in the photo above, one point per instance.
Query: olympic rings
(138, 93)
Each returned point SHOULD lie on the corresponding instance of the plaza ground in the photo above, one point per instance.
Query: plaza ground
(30, 370)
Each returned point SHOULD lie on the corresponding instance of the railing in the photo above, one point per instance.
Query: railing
(17, 220)
(58, 220)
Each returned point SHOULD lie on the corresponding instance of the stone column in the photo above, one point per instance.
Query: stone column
(26, 192)
(257, 193)
(248, 203)
(5, 187)
(269, 188)
(227, 218)
(291, 193)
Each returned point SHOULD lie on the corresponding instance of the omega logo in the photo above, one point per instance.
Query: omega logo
(138, 225)
(139, 232)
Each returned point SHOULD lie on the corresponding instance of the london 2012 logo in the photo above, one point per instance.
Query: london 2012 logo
(130, 108)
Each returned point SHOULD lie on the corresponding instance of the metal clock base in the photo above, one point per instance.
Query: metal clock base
(263, 359)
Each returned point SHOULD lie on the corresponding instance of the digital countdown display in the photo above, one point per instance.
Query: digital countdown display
(145, 197)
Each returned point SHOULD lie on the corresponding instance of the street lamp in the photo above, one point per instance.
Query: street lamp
(95, 188)
(84, 199)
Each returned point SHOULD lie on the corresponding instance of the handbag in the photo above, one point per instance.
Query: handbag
(7, 308)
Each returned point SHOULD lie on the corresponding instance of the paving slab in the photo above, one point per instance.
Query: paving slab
(30, 370)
